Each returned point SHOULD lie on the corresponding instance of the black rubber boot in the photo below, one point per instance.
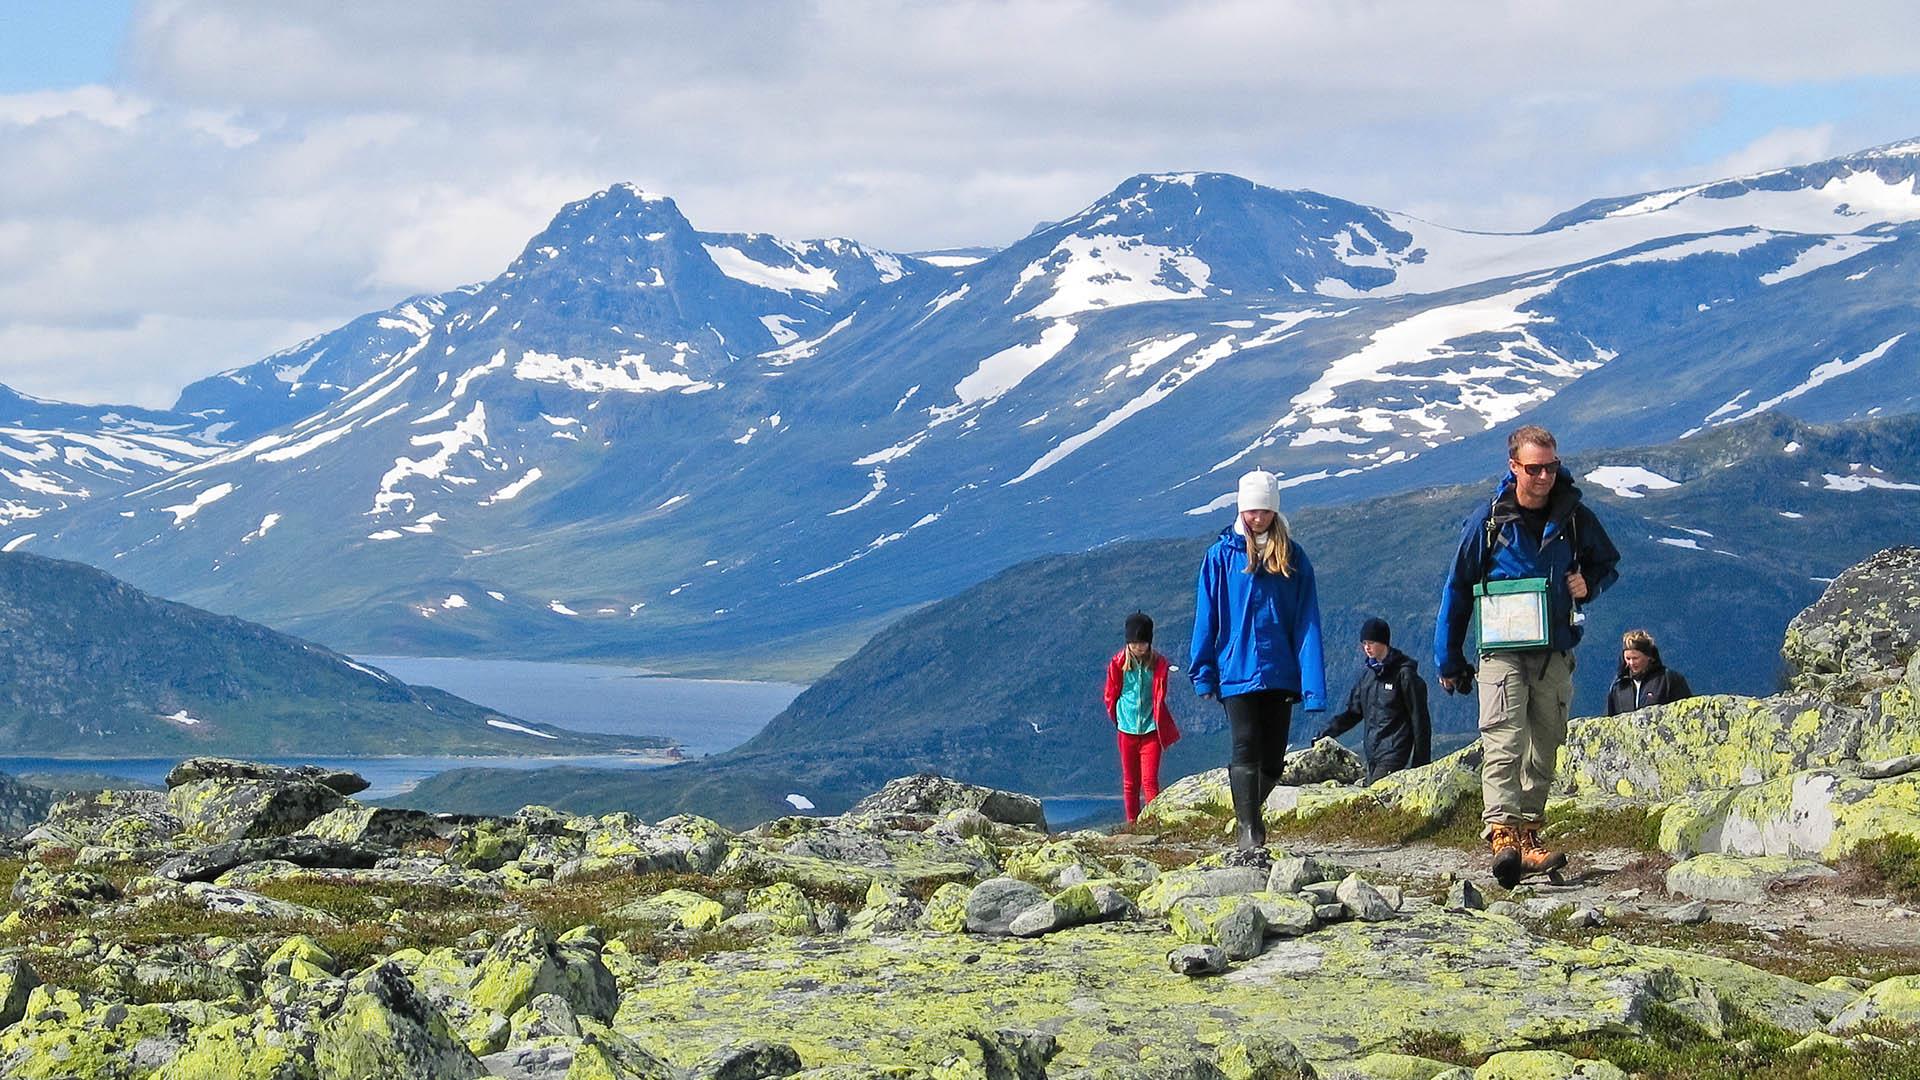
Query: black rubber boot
(1245, 784)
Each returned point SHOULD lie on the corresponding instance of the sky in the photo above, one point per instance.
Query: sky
(190, 185)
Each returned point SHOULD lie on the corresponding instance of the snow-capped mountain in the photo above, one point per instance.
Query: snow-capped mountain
(54, 456)
(644, 440)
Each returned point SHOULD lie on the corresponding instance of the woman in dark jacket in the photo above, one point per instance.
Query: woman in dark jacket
(1644, 680)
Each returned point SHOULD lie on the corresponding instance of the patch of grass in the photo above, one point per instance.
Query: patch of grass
(352, 900)
(9, 873)
(1893, 861)
(1440, 1046)
(1792, 953)
(1371, 823)
(1676, 1048)
(1572, 828)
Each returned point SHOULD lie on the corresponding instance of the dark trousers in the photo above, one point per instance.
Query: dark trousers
(1259, 722)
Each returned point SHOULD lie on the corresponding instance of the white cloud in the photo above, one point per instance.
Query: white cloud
(306, 163)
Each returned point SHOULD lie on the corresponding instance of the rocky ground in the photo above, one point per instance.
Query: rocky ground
(1741, 904)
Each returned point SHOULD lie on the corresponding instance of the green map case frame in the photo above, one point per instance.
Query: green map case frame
(1512, 614)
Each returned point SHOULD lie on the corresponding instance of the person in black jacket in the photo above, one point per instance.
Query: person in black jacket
(1391, 697)
(1644, 680)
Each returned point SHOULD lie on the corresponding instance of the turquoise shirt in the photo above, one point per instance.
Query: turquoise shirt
(1134, 711)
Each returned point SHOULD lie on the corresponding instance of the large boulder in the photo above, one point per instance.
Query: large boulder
(194, 770)
(388, 826)
(122, 820)
(21, 805)
(1820, 814)
(1863, 629)
(1323, 762)
(218, 809)
(1741, 880)
(207, 863)
(936, 796)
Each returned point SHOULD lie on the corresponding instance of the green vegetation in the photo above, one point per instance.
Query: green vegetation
(1580, 828)
(1894, 861)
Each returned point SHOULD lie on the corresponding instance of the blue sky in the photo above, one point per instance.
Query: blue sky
(192, 184)
(59, 44)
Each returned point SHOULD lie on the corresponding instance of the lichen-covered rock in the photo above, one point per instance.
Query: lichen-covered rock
(214, 810)
(674, 907)
(993, 904)
(1741, 880)
(1290, 874)
(1287, 916)
(44, 889)
(1894, 1001)
(1171, 888)
(1752, 993)
(486, 845)
(937, 796)
(1432, 791)
(1704, 743)
(1486, 979)
(839, 852)
(193, 770)
(1195, 960)
(684, 844)
(1234, 923)
(224, 901)
(1326, 760)
(22, 806)
(1545, 1065)
(208, 863)
(946, 911)
(1463, 895)
(381, 825)
(1362, 900)
(66, 1035)
(1818, 813)
(1043, 864)
(17, 981)
(1385, 1066)
(526, 962)
(1867, 621)
(386, 1028)
(301, 959)
(749, 1061)
(123, 820)
(791, 911)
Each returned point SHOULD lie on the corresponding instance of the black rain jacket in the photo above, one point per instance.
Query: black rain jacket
(1392, 702)
(1661, 685)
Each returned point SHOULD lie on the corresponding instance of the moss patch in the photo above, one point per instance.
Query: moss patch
(1893, 861)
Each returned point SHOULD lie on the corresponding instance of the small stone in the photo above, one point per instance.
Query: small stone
(1321, 892)
(996, 902)
(748, 1061)
(1585, 917)
(1690, 913)
(1506, 909)
(1363, 900)
(1334, 912)
(1291, 874)
(1395, 896)
(1627, 894)
(1042, 918)
(1890, 767)
(1465, 896)
(1195, 960)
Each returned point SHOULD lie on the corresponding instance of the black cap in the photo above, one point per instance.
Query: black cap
(1139, 628)
(1376, 630)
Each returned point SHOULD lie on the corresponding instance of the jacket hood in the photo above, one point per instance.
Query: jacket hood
(1395, 660)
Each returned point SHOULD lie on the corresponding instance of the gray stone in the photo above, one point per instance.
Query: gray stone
(1323, 761)
(216, 810)
(1585, 917)
(213, 768)
(938, 796)
(1689, 913)
(1042, 918)
(995, 903)
(1395, 896)
(1294, 873)
(1363, 900)
(1890, 767)
(1287, 916)
(1507, 909)
(1334, 912)
(220, 901)
(1197, 960)
(1732, 879)
(1465, 896)
(1242, 932)
(1110, 903)
(748, 1061)
(17, 980)
(1321, 892)
(207, 863)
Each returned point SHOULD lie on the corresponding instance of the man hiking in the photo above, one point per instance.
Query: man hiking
(1525, 564)
(1390, 698)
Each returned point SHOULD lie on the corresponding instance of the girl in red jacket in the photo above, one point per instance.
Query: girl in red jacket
(1137, 705)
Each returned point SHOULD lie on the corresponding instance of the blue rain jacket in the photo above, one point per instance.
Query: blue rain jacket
(1256, 631)
(1515, 555)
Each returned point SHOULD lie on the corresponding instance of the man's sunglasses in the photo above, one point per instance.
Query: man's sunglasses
(1545, 468)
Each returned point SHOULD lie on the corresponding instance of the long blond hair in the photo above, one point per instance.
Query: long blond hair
(1130, 664)
(1278, 558)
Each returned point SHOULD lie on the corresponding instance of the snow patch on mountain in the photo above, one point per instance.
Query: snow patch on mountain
(801, 276)
(1100, 272)
(627, 373)
(183, 511)
(1006, 369)
(1189, 368)
(1824, 254)
(1820, 376)
(266, 525)
(469, 431)
(514, 489)
(1627, 481)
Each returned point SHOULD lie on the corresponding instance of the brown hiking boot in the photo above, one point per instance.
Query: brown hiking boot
(1507, 856)
(1535, 858)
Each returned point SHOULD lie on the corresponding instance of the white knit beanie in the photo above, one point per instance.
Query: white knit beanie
(1259, 490)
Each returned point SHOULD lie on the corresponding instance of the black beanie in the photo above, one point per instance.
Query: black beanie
(1376, 630)
(1139, 628)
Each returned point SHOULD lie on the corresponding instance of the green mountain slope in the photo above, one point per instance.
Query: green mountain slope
(92, 667)
(1000, 684)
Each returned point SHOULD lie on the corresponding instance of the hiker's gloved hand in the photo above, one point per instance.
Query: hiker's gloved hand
(1458, 684)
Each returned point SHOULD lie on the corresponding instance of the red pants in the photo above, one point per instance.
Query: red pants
(1139, 770)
